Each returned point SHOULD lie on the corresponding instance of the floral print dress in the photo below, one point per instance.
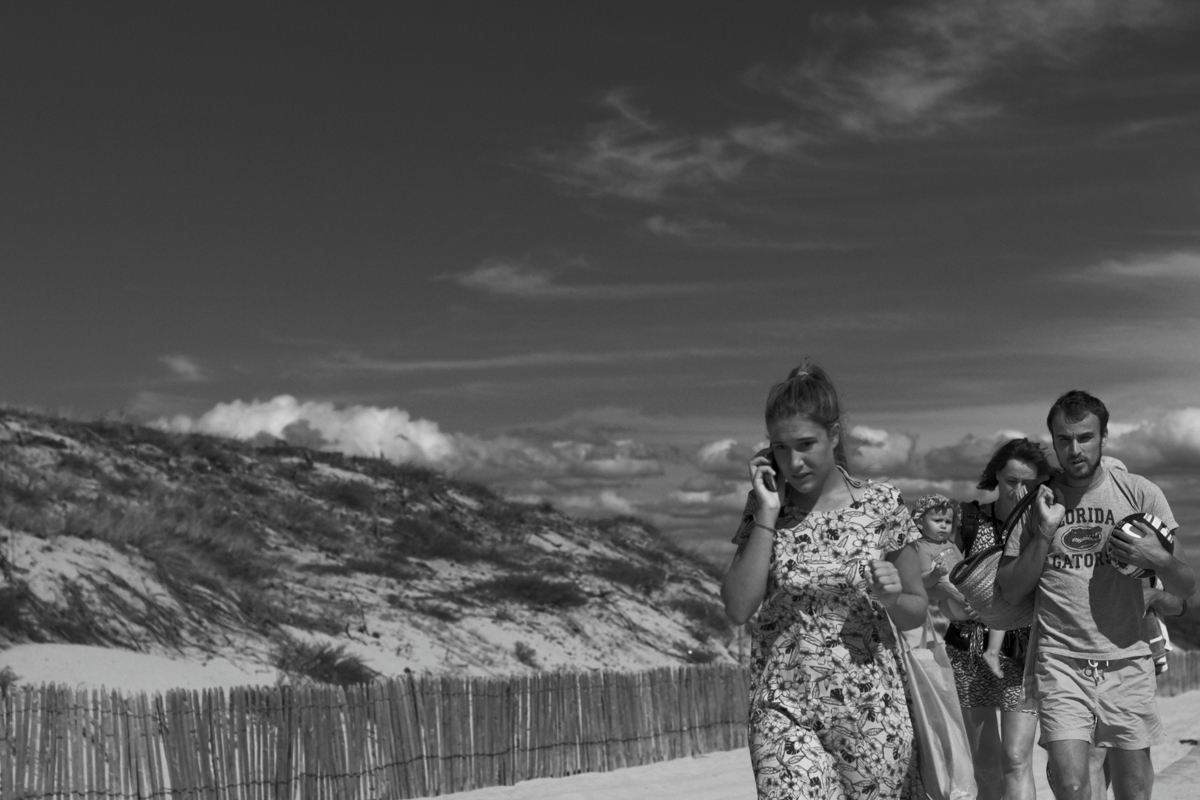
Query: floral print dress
(828, 715)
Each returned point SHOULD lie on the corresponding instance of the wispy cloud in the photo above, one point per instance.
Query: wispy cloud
(779, 139)
(913, 71)
(517, 279)
(184, 368)
(709, 234)
(1153, 268)
(922, 68)
(356, 363)
(629, 156)
(695, 230)
(508, 278)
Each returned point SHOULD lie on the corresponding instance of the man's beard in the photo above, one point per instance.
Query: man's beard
(1090, 467)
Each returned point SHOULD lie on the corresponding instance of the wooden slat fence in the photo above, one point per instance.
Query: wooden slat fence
(402, 738)
(1182, 675)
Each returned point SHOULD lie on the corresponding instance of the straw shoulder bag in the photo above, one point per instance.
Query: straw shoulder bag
(975, 577)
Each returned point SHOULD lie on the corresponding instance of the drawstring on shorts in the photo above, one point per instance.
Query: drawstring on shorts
(1095, 670)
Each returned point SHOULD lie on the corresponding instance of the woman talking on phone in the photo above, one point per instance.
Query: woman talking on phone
(821, 560)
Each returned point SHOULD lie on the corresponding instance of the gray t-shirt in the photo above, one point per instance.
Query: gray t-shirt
(1086, 609)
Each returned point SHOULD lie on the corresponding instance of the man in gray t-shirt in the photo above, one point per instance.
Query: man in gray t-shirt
(1094, 675)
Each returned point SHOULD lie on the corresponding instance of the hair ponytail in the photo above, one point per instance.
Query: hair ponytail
(808, 391)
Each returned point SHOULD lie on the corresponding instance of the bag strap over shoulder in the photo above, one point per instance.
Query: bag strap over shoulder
(970, 525)
(1019, 511)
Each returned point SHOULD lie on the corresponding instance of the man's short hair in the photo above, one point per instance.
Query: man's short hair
(1075, 405)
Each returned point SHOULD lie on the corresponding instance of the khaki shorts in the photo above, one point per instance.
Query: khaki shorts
(1108, 703)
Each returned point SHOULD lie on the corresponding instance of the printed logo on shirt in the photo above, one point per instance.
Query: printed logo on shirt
(1077, 560)
(1088, 516)
(1083, 539)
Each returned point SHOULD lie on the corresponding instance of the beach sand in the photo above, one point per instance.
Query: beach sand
(84, 666)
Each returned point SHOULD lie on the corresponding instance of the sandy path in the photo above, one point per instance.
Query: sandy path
(727, 776)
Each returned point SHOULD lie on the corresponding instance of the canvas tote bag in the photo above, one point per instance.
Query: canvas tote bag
(943, 751)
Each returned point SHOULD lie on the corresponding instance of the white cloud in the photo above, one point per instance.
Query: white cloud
(692, 498)
(878, 452)
(618, 460)
(606, 502)
(1169, 443)
(1116, 429)
(620, 467)
(394, 434)
(184, 368)
(873, 452)
(726, 458)
(502, 277)
(1166, 444)
(707, 503)
(356, 430)
(1144, 268)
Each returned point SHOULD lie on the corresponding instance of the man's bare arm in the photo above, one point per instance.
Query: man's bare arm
(1019, 575)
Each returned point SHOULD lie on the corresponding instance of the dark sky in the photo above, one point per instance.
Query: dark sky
(566, 247)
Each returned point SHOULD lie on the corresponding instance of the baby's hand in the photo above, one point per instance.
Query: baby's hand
(939, 568)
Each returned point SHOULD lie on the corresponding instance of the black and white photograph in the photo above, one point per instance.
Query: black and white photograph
(518, 399)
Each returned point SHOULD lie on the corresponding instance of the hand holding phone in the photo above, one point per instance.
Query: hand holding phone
(765, 477)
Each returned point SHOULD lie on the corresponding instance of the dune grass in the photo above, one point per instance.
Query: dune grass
(323, 663)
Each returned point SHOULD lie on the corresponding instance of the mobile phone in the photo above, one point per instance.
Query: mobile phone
(769, 479)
